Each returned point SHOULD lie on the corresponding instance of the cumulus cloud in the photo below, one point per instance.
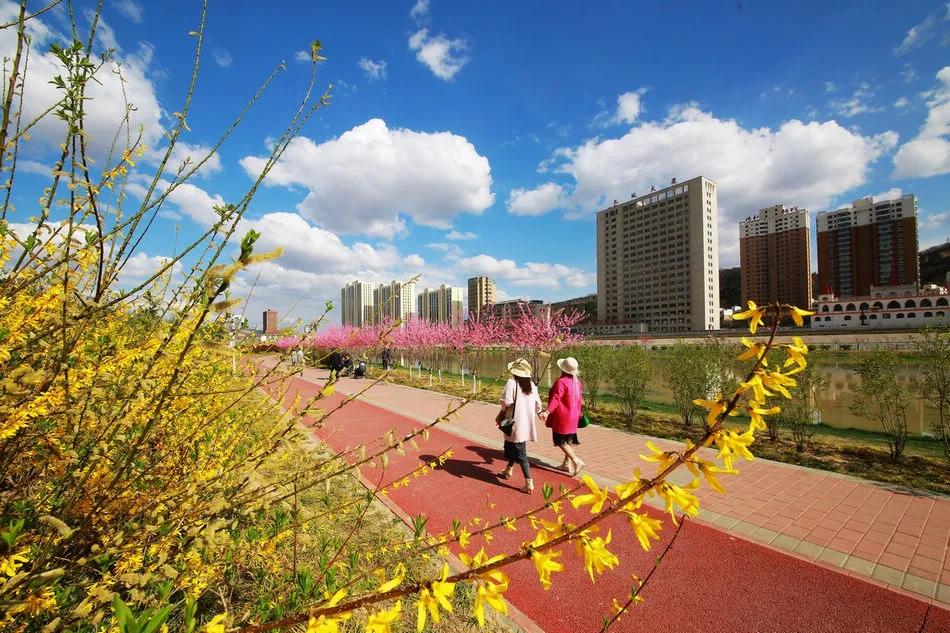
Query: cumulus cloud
(141, 266)
(890, 194)
(928, 153)
(804, 164)
(361, 181)
(908, 74)
(420, 10)
(535, 274)
(107, 103)
(627, 111)
(373, 70)
(222, 57)
(857, 103)
(902, 102)
(132, 10)
(443, 56)
(303, 57)
(185, 156)
(536, 201)
(460, 235)
(921, 33)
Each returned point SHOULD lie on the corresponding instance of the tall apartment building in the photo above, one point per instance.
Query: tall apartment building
(440, 305)
(357, 303)
(775, 257)
(395, 300)
(658, 259)
(868, 244)
(270, 321)
(481, 292)
(508, 310)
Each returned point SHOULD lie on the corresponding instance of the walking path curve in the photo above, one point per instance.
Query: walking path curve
(788, 549)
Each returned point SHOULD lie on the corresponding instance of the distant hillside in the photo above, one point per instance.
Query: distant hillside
(730, 289)
(934, 264)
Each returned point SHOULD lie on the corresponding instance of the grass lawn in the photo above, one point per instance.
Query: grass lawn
(849, 451)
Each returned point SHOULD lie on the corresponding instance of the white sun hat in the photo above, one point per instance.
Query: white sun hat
(568, 365)
(520, 367)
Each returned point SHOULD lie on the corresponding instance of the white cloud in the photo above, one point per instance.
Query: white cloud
(901, 102)
(373, 70)
(452, 251)
(534, 274)
(443, 56)
(908, 74)
(106, 109)
(627, 112)
(858, 103)
(536, 201)
(804, 164)
(130, 9)
(928, 154)
(459, 235)
(935, 220)
(420, 10)
(302, 56)
(34, 167)
(830, 86)
(361, 181)
(186, 155)
(890, 194)
(141, 266)
(920, 34)
(222, 57)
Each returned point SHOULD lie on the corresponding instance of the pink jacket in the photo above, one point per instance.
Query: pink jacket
(564, 405)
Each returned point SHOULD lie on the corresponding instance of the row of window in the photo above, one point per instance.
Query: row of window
(891, 305)
(886, 315)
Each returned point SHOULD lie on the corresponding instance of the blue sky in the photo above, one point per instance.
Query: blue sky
(481, 138)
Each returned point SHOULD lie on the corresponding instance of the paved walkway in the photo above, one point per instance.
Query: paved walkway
(887, 537)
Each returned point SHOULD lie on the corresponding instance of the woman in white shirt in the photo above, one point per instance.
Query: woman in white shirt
(520, 406)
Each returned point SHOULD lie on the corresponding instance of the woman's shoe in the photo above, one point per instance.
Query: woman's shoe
(576, 467)
(505, 474)
(565, 466)
(528, 487)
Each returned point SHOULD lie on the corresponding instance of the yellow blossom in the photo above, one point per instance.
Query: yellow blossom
(796, 353)
(731, 444)
(756, 412)
(626, 490)
(382, 621)
(760, 393)
(754, 314)
(595, 499)
(596, 555)
(675, 495)
(644, 527)
(395, 582)
(216, 625)
(545, 564)
(797, 314)
(329, 623)
(463, 536)
(661, 457)
(715, 407)
(13, 562)
(436, 595)
(778, 381)
(491, 585)
(753, 350)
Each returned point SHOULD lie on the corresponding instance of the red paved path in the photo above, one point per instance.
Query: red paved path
(710, 581)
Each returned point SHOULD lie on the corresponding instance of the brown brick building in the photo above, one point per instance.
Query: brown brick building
(775, 257)
(868, 244)
(270, 321)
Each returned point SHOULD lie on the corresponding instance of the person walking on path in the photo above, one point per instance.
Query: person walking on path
(520, 406)
(565, 401)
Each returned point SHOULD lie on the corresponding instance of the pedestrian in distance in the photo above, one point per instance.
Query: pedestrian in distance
(565, 406)
(335, 363)
(520, 407)
(387, 359)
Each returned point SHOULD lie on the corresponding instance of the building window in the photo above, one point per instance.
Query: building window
(900, 315)
(847, 317)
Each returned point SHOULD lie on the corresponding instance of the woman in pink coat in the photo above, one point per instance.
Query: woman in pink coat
(564, 410)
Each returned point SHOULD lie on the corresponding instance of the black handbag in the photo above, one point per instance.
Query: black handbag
(508, 424)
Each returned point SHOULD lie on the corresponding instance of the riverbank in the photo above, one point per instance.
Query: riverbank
(855, 452)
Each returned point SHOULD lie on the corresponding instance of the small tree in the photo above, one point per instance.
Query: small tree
(689, 378)
(631, 373)
(881, 399)
(594, 361)
(933, 349)
(801, 415)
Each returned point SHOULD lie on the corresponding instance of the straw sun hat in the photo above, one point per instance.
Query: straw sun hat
(568, 365)
(520, 367)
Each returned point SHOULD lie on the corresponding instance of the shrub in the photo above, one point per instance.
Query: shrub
(882, 399)
(630, 372)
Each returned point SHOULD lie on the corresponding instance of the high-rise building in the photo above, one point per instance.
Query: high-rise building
(357, 304)
(270, 321)
(775, 257)
(481, 292)
(395, 300)
(868, 244)
(508, 310)
(441, 305)
(658, 259)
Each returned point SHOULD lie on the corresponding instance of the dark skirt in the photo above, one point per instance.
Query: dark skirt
(516, 451)
(565, 438)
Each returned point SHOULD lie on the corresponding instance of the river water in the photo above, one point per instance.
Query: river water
(834, 401)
